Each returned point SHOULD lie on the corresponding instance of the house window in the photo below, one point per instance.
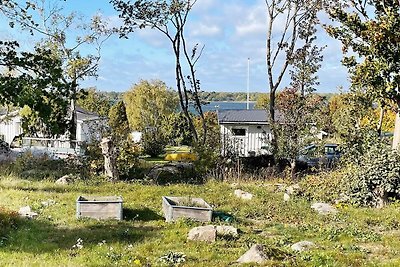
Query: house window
(239, 132)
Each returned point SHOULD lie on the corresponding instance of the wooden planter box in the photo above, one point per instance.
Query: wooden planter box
(99, 207)
(184, 207)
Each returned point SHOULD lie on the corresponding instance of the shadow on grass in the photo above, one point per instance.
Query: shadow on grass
(40, 236)
(144, 214)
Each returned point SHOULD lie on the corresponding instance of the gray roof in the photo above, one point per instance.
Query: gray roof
(84, 115)
(257, 116)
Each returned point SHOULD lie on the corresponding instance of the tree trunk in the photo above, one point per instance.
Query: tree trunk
(110, 166)
(381, 116)
(396, 137)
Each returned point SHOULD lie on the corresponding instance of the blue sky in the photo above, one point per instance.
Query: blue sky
(231, 30)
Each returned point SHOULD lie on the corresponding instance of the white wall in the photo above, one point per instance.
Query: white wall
(10, 128)
(256, 137)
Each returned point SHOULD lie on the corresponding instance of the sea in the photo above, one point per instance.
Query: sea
(221, 105)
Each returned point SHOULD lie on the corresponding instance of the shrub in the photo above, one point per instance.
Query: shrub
(325, 186)
(376, 177)
(153, 143)
(128, 158)
(8, 221)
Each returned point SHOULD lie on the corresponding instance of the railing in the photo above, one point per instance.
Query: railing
(55, 146)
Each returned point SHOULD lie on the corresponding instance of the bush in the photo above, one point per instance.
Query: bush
(128, 158)
(376, 177)
(153, 143)
(8, 221)
(325, 186)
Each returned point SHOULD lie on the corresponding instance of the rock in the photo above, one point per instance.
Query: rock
(324, 208)
(254, 254)
(47, 203)
(286, 197)
(243, 195)
(302, 246)
(26, 212)
(203, 233)
(226, 230)
(293, 189)
(65, 180)
(171, 172)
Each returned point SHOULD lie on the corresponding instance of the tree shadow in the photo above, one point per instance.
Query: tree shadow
(42, 236)
(143, 214)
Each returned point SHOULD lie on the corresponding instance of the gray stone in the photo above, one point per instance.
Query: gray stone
(26, 212)
(324, 208)
(203, 233)
(65, 180)
(226, 230)
(254, 255)
(286, 197)
(293, 189)
(302, 246)
(48, 202)
(243, 195)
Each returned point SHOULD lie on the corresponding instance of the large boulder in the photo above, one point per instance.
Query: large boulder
(255, 254)
(171, 173)
(65, 180)
(324, 208)
(203, 233)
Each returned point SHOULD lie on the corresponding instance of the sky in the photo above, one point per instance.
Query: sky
(230, 30)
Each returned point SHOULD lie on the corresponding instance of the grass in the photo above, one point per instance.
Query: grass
(354, 237)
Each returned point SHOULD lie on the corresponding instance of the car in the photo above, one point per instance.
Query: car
(4, 147)
(312, 156)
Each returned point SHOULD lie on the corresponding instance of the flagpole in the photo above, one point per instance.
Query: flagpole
(248, 83)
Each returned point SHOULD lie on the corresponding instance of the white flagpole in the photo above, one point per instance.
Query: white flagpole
(248, 83)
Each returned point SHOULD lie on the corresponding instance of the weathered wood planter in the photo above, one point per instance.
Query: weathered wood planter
(99, 207)
(184, 207)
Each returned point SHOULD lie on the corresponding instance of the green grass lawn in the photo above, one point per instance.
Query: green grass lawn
(354, 237)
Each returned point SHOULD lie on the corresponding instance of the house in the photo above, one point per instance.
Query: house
(88, 128)
(245, 132)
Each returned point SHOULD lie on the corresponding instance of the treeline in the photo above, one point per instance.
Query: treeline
(212, 96)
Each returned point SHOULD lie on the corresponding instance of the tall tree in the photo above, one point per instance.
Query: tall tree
(169, 17)
(293, 22)
(65, 36)
(94, 101)
(369, 32)
(148, 103)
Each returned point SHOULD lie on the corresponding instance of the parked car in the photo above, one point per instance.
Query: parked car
(312, 156)
(4, 147)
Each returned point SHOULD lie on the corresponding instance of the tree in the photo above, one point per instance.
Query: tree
(148, 103)
(118, 121)
(262, 102)
(169, 17)
(94, 101)
(176, 130)
(55, 28)
(370, 30)
(298, 119)
(34, 81)
(295, 21)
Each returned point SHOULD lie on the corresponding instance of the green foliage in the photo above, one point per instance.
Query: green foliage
(324, 186)
(118, 121)
(153, 142)
(375, 177)
(128, 158)
(176, 130)
(41, 88)
(299, 118)
(262, 101)
(347, 111)
(148, 103)
(93, 101)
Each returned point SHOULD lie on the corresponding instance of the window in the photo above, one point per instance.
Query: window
(239, 132)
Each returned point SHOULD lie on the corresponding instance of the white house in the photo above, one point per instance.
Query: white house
(87, 128)
(244, 132)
